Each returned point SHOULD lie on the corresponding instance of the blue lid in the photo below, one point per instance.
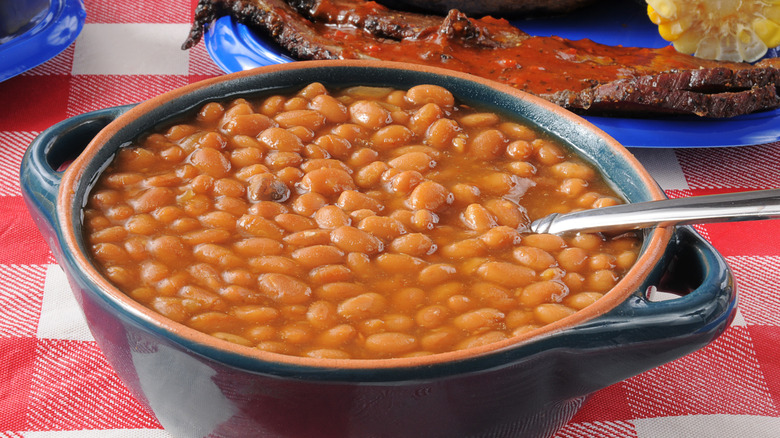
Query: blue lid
(47, 34)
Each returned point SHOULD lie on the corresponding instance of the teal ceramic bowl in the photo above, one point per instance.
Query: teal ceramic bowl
(528, 386)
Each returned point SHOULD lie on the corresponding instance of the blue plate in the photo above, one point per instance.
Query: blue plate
(52, 31)
(234, 47)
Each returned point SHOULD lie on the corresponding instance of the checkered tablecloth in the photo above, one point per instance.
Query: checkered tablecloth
(55, 382)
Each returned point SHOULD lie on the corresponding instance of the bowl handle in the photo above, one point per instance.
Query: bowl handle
(49, 154)
(706, 305)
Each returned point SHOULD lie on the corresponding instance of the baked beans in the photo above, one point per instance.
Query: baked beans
(356, 223)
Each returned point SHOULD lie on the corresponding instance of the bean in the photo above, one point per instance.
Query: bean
(275, 264)
(371, 174)
(423, 117)
(351, 200)
(440, 339)
(572, 259)
(319, 163)
(367, 305)
(390, 137)
(259, 227)
(413, 244)
(601, 280)
(307, 204)
(480, 319)
(429, 195)
(337, 336)
(331, 217)
(245, 173)
(437, 273)
(587, 241)
(533, 257)
(153, 198)
(626, 259)
(267, 209)
(362, 157)
(136, 159)
(464, 248)
(506, 274)
(442, 133)
(487, 145)
(443, 292)
(478, 218)
(351, 239)
(421, 94)
(551, 312)
(573, 187)
(495, 296)
(369, 114)
(390, 343)
(284, 289)
(258, 246)
(330, 274)
(546, 242)
(501, 237)
(246, 124)
(318, 255)
(114, 234)
(279, 139)
(405, 182)
(338, 291)
(582, 300)
(602, 261)
(417, 161)
(168, 249)
(217, 255)
(360, 264)
(334, 145)
(290, 175)
(522, 169)
(276, 160)
(211, 112)
(547, 152)
(294, 222)
(399, 263)
(308, 237)
(519, 150)
(328, 182)
(170, 307)
(210, 322)
(432, 316)
(386, 228)
(333, 110)
(300, 117)
(211, 162)
(542, 292)
(239, 276)
(109, 253)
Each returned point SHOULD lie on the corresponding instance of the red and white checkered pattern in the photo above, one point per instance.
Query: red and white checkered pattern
(55, 382)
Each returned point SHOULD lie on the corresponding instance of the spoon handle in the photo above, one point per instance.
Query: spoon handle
(727, 207)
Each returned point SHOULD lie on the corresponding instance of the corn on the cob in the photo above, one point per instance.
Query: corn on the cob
(727, 30)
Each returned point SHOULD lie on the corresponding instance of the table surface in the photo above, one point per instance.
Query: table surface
(55, 382)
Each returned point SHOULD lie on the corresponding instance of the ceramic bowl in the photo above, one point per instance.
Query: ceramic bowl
(529, 386)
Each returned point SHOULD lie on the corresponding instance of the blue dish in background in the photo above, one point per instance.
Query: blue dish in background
(234, 47)
(47, 34)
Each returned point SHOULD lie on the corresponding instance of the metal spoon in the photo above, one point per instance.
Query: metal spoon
(729, 207)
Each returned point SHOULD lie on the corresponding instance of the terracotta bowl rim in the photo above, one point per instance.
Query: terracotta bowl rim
(653, 247)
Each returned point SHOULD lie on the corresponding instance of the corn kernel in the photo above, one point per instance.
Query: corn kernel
(768, 31)
(665, 8)
(729, 30)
